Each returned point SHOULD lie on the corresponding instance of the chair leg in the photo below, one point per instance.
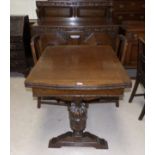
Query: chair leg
(142, 113)
(39, 102)
(117, 103)
(134, 91)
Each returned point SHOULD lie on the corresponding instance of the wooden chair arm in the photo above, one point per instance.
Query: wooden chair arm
(121, 47)
(34, 49)
(124, 50)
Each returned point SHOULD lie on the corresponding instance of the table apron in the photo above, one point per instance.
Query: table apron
(42, 92)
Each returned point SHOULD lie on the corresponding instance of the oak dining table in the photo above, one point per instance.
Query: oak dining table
(78, 75)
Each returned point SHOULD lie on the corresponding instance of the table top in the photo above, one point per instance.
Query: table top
(78, 67)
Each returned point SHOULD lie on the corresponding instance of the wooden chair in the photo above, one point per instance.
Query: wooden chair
(35, 48)
(38, 44)
(140, 77)
(121, 46)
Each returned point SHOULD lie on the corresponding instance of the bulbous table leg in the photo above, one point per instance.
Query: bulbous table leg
(78, 117)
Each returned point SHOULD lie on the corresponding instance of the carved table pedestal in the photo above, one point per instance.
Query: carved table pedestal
(78, 117)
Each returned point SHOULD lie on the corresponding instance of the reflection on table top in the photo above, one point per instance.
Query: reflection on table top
(78, 67)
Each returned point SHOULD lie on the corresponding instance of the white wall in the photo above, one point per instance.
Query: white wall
(23, 7)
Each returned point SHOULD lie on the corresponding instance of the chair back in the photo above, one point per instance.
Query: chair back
(121, 46)
(141, 61)
(39, 43)
(35, 48)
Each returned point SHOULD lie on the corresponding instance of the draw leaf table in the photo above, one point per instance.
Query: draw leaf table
(78, 75)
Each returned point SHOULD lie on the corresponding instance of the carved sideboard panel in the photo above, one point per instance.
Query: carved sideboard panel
(92, 35)
(81, 10)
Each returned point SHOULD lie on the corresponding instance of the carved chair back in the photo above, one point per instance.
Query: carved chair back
(121, 46)
(141, 62)
(40, 42)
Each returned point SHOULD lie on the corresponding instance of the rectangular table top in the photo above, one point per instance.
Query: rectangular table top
(78, 67)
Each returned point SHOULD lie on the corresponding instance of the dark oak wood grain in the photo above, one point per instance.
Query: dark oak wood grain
(72, 46)
(77, 76)
(124, 10)
(88, 10)
(89, 19)
(78, 67)
(20, 52)
(132, 30)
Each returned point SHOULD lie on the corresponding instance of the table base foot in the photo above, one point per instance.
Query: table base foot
(86, 140)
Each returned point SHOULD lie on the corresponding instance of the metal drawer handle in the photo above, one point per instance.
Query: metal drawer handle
(74, 36)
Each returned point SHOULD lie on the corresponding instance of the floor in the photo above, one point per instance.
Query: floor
(31, 128)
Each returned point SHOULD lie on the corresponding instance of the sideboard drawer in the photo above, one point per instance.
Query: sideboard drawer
(16, 39)
(132, 31)
(129, 6)
(17, 46)
(121, 16)
(17, 63)
(128, 10)
(17, 54)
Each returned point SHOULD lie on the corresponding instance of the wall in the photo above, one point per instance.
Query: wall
(23, 7)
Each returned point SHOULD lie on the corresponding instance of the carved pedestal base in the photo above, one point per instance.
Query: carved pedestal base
(86, 140)
(78, 117)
